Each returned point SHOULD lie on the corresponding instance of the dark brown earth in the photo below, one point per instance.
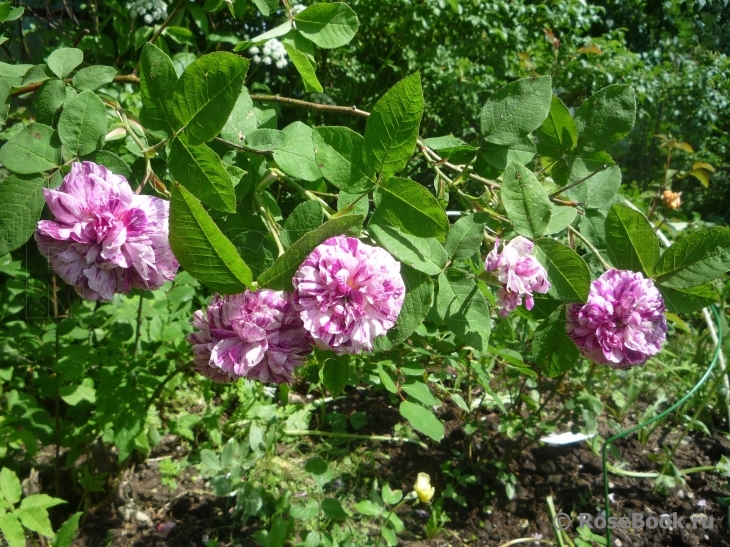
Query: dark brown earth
(571, 474)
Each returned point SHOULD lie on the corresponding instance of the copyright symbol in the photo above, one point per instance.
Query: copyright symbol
(562, 521)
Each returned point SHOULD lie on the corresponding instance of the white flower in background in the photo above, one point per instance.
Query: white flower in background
(272, 52)
(149, 10)
(296, 9)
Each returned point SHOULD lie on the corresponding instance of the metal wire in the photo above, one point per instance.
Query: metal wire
(671, 409)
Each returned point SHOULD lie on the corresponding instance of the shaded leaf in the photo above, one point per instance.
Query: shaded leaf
(567, 272)
(630, 240)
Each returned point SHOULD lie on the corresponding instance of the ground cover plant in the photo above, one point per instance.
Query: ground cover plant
(363, 274)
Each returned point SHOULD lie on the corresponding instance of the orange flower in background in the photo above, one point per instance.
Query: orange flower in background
(672, 199)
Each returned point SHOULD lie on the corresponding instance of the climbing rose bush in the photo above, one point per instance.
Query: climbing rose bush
(519, 272)
(256, 335)
(348, 293)
(104, 238)
(622, 324)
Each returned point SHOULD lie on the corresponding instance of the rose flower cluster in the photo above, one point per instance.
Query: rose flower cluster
(106, 239)
(345, 294)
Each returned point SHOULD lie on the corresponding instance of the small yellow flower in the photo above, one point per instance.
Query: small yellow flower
(672, 199)
(423, 487)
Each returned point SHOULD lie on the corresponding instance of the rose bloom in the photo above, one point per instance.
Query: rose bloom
(348, 293)
(622, 324)
(672, 200)
(105, 239)
(255, 335)
(519, 272)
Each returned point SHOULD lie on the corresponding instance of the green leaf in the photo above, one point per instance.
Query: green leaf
(560, 218)
(500, 156)
(558, 133)
(462, 306)
(417, 302)
(338, 153)
(279, 275)
(423, 254)
(44, 501)
(48, 100)
(386, 380)
(695, 259)
(335, 373)
(93, 77)
(552, 349)
(73, 395)
(305, 217)
(202, 249)
(63, 61)
(465, 236)
(391, 497)
(593, 228)
(157, 86)
(10, 486)
(12, 530)
(34, 149)
(304, 512)
(82, 124)
(296, 157)
(36, 520)
(566, 270)
(266, 6)
(4, 95)
(210, 460)
(420, 392)
(333, 509)
(367, 507)
(65, 534)
(605, 117)
(525, 201)
(688, 300)
(306, 68)
(21, 203)
(242, 120)
(203, 174)
(598, 191)
(266, 140)
(631, 241)
(207, 92)
(422, 419)
(328, 25)
(516, 109)
(391, 130)
(411, 208)
(451, 147)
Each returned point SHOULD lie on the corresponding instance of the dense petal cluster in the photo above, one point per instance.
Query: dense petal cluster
(105, 238)
(271, 52)
(149, 10)
(622, 324)
(257, 335)
(348, 293)
(519, 273)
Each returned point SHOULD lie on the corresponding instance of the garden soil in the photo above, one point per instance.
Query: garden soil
(571, 474)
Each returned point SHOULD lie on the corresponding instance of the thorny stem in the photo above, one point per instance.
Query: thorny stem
(328, 211)
(314, 432)
(576, 233)
(167, 21)
(243, 148)
(137, 331)
(576, 183)
(311, 106)
(270, 223)
(122, 78)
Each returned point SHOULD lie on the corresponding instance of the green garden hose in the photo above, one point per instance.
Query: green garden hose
(671, 409)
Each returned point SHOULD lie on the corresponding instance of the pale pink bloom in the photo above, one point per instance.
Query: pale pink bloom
(105, 238)
(255, 335)
(622, 324)
(348, 293)
(519, 272)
